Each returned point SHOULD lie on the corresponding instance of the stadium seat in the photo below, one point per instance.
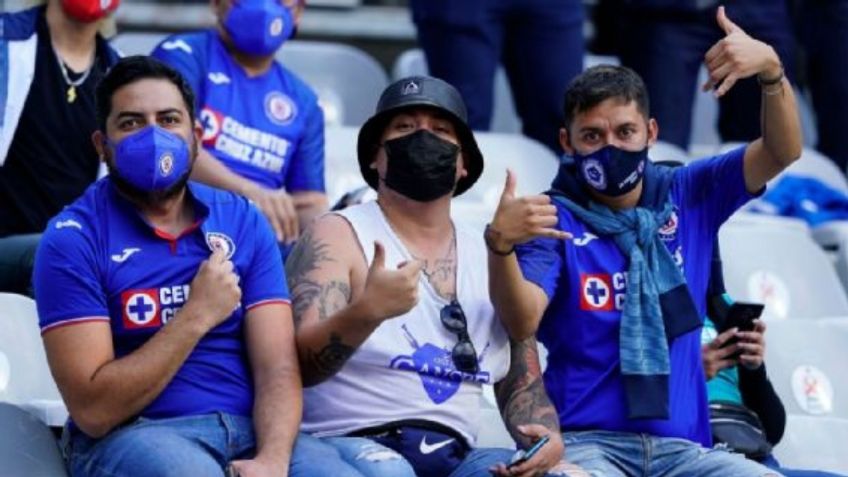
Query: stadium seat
(137, 43)
(805, 362)
(534, 165)
(773, 260)
(28, 375)
(811, 164)
(348, 80)
(504, 117)
(814, 443)
(327, 67)
(27, 446)
(666, 151)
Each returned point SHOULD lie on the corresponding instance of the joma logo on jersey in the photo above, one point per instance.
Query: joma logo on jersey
(151, 307)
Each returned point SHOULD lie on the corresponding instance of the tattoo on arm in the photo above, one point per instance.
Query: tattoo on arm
(521, 394)
(307, 256)
(330, 359)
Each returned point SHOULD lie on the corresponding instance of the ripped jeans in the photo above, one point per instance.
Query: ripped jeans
(363, 457)
(613, 454)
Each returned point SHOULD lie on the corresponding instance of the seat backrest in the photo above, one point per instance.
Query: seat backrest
(666, 151)
(24, 373)
(534, 166)
(805, 362)
(27, 446)
(347, 80)
(774, 261)
(137, 43)
(814, 443)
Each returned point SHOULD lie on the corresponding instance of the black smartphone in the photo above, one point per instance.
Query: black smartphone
(741, 315)
(522, 456)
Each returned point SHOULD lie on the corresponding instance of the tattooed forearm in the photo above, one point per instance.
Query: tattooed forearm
(521, 394)
(329, 360)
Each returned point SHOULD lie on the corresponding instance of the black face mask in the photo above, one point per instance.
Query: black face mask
(421, 165)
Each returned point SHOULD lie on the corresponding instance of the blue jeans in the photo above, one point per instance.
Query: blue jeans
(194, 445)
(362, 457)
(17, 255)
(609, 454)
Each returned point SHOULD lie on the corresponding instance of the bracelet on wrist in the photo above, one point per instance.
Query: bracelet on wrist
(771, 81)
(487, 237)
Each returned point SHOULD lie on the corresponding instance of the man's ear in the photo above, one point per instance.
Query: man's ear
(565, 142)
(653, 131)
(197, 130)
(99, 141)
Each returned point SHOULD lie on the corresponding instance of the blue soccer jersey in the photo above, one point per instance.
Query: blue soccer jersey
(585, 280)
(100, 260)
(266, 128)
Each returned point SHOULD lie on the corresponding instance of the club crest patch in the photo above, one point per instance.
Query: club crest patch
(279, 108)
(221, 242)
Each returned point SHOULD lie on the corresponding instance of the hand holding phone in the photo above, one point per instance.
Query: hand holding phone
(741, 315)
(521, 456)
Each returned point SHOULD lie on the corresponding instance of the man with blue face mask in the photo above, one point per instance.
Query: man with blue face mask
(163, 303)
(619, 307)
(263, 131)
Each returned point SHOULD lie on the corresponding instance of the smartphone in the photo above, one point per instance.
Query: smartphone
(741, 315)
(522, 456)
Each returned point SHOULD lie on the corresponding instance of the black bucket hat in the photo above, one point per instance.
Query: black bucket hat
(417, 91)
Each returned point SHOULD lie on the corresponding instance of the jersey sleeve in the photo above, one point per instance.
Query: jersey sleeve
(306, 172)
(716, 186)
(541, 261)
(265, 280)
(66, 277)
(180, 54)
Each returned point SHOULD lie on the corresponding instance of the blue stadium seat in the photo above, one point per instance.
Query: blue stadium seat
(137, 43)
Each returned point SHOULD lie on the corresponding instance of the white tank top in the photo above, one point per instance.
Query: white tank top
(404, 369)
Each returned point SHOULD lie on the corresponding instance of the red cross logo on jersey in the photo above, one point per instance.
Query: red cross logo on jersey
(141, 309)
(596, 292)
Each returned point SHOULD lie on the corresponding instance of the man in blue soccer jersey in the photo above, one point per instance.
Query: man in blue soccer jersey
(263, 131)
(619, 307)
(163, 305)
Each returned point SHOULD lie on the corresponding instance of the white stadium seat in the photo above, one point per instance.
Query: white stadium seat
(27, 446)
(774, 260)
(814, 443)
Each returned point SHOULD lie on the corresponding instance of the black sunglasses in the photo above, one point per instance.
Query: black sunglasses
(464, 355)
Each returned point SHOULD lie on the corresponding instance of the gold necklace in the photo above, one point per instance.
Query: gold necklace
(71, 94)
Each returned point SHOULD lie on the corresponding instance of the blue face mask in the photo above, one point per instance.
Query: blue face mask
(259, 27)
(152, 160)
(611, 171)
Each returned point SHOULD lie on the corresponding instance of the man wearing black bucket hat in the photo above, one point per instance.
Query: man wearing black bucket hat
(395, 330)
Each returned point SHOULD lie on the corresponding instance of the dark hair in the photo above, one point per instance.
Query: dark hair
(135, 68)
(601, 82)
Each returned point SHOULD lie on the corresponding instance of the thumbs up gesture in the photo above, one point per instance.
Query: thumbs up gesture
(390, 293)
(738, 56)
(519, 219)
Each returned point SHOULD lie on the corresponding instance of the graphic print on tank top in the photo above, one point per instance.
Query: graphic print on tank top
(434, 366)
